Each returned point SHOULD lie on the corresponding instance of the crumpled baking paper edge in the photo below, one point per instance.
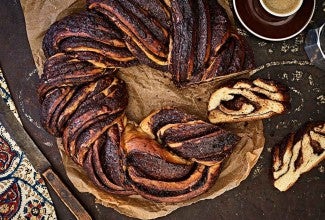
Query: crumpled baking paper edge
(39, 15)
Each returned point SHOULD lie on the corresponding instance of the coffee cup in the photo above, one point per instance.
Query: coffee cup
(281, 8)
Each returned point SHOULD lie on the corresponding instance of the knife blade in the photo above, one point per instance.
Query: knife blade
(39, 161)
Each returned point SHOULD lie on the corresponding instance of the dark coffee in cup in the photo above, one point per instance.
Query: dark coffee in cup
(281, 7)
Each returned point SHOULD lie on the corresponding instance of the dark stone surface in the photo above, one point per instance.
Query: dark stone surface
(255, 198)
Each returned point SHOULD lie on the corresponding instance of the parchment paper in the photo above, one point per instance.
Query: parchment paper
(148, 90)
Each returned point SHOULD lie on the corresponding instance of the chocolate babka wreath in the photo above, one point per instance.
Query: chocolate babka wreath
(171, 156)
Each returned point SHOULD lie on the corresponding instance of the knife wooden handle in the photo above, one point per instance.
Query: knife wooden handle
(65, 195)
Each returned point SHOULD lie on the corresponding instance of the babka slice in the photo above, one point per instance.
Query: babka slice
(246, 100)
(297, 154)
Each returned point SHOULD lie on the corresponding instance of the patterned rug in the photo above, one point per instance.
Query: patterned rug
(23, 193)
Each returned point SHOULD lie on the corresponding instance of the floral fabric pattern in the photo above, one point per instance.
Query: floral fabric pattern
(23, 193)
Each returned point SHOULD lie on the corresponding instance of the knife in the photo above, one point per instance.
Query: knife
(39, 161)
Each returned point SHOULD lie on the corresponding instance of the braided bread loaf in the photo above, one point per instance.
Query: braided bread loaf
(187, 165)
(192, 39)
(171, 156)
